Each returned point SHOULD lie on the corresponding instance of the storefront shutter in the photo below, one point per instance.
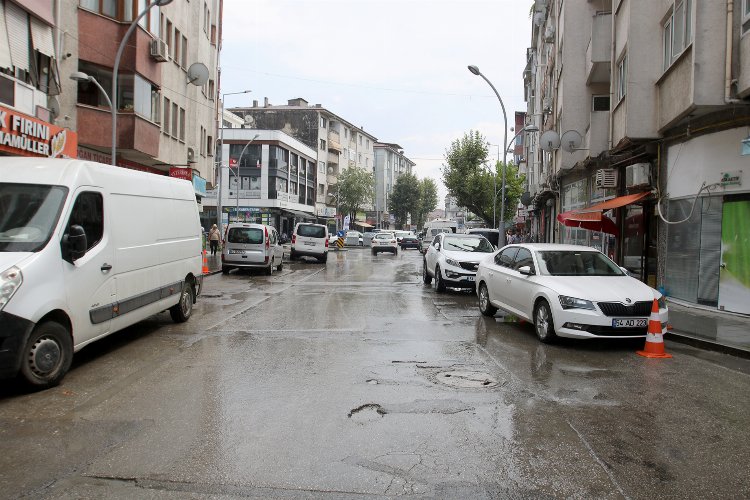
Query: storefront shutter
(5, 60)
(41, 37)
(18, 35)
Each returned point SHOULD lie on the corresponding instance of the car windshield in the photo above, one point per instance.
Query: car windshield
(310, 231)
(384, 236)
(468, 244)
(576, 263)
(245, 235)
(28, 215)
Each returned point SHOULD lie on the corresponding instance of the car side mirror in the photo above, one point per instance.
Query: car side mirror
(437, 246)
(74, 243)
(526, 271)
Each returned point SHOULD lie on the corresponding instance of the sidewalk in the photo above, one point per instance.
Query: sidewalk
(709, 329)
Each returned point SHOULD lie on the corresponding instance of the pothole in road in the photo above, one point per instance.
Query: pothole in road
(367, 413)
(467, 379)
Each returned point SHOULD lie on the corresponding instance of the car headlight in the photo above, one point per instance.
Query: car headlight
(10, 280)
(574, 303)
(452, 262)
(662, 301)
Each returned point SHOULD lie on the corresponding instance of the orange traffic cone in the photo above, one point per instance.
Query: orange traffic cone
(654, 338)
(205, 263)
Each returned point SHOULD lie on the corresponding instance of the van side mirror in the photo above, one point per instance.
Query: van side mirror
(74, 243)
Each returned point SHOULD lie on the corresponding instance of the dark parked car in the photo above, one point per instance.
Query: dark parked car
(409, 241)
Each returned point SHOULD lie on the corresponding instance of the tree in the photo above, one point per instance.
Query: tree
(355, 188)
(469, 181)
(405, 198)
(428, 200)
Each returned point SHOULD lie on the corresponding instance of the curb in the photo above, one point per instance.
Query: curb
(701, 343)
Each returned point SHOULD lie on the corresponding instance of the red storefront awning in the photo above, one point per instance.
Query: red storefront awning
(591, 217)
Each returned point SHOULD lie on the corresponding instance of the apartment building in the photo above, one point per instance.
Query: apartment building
(166, 85)
(390, 164)
(643, 114)
(338, 143)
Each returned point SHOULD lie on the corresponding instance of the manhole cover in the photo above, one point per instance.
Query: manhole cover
(467, 379)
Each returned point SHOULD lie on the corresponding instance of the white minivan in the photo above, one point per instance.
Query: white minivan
(88, 249)
(309, 240)
(252, 246)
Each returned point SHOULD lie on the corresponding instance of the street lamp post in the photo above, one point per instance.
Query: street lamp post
(494, 184)
(219, 206)
(116, 67)
(475, 71)
(237, 174)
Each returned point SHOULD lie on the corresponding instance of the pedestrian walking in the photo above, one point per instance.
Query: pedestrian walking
(213, 239)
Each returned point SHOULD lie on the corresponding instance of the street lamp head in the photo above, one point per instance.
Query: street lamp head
(80, 76)
(162, 3)
(531, 128)
(474, 70)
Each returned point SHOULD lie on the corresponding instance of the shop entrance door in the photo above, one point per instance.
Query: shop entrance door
(734, 276)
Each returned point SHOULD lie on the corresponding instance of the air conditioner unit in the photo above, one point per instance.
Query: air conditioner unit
(159, 50)
(637, 174)
(190, 155)
(606, 178)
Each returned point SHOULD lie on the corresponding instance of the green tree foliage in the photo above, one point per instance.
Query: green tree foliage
(405, 198)
(356, 187)
(472, 182)
(428, 200)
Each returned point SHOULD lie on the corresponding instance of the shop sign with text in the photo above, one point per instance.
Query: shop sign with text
(24, 135)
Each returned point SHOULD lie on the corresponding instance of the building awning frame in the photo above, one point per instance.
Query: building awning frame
(591, 218)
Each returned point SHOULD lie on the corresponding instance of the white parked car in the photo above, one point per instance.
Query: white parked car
(566, 291)
(452, 260)
(354, 238)
(249, 246)
(384, 242)
(309, 240)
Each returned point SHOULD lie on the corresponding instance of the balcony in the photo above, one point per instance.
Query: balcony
(333, 158)
(334, 141)
(332, 179)
(598, 52)
(598, 133)
(133, 132)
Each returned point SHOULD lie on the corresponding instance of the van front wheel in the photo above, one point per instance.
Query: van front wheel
(182, 310)
(47, 355)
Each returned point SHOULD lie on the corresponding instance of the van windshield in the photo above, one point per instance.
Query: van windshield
(249, 235)
(28, 215)
(311, 231)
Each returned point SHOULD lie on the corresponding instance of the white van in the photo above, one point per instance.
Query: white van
(252, 246)
(309, 240)
(86, 250)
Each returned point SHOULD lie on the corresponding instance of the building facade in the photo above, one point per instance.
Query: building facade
(338, 144)
(644, 138)
(390, 163)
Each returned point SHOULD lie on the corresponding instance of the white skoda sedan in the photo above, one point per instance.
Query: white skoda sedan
(567, 291)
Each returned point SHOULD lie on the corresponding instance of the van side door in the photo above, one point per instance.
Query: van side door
(89, 280)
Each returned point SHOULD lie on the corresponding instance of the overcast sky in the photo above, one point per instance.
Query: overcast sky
(397, 68)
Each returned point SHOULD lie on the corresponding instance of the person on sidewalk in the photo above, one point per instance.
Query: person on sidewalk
(213, 239)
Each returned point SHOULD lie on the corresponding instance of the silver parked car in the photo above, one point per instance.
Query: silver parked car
(252, 246)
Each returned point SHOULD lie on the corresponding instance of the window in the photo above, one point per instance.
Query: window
(203, 141)
(209, 146)
(622, 77)
(169, 32)
(206, 18)
(600, 103)
(88, 212)
(360, 140)
(677, 31)
(322, 145)
(165, 122)
(88, 93)
(321, 167)
(146, 99)
(745, 16)
(322, 122)
(175, 119)
(7, 91)
(506, 257)
(182, 125)
(176, 50)
(211, 89)
(183, 60)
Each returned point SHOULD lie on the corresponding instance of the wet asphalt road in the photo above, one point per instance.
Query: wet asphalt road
(355, 380)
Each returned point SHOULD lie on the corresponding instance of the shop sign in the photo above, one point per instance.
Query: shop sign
(326, 211)
(731, 178)
(91, 155)
(199, 184)
(27, 136)
(181, 173)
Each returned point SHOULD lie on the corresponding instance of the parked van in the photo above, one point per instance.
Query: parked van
(493, 235)
(251, 246)
(86, 250)
(310, 240)
(436, 226)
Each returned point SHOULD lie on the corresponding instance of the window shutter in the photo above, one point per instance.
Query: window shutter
(18, 35)
(5, 60)
(41, 37)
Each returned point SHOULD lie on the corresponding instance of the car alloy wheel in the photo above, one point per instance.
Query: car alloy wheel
(485, 307)
(543, 323)
(439, 282)
(426, 278)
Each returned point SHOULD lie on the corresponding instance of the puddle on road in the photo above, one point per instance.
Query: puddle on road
(467, 379)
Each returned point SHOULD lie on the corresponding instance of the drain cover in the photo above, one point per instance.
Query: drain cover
(467, 379)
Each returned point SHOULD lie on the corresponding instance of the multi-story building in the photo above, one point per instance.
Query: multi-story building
(166, 86)
(390, 164)
(338, 143)
(645, 125)
(455, 212)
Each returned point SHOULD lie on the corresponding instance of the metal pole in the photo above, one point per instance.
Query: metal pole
(219, 206)
(237, 175)
(116, 68)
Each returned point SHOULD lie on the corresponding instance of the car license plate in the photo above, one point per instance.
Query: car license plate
(469, 278)
(236, 251)
(310, 243)
(629, 323)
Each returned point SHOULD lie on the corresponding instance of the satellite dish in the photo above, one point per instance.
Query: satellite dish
(54, 107)
(571, 141)
(550, 140)
(197, 74)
